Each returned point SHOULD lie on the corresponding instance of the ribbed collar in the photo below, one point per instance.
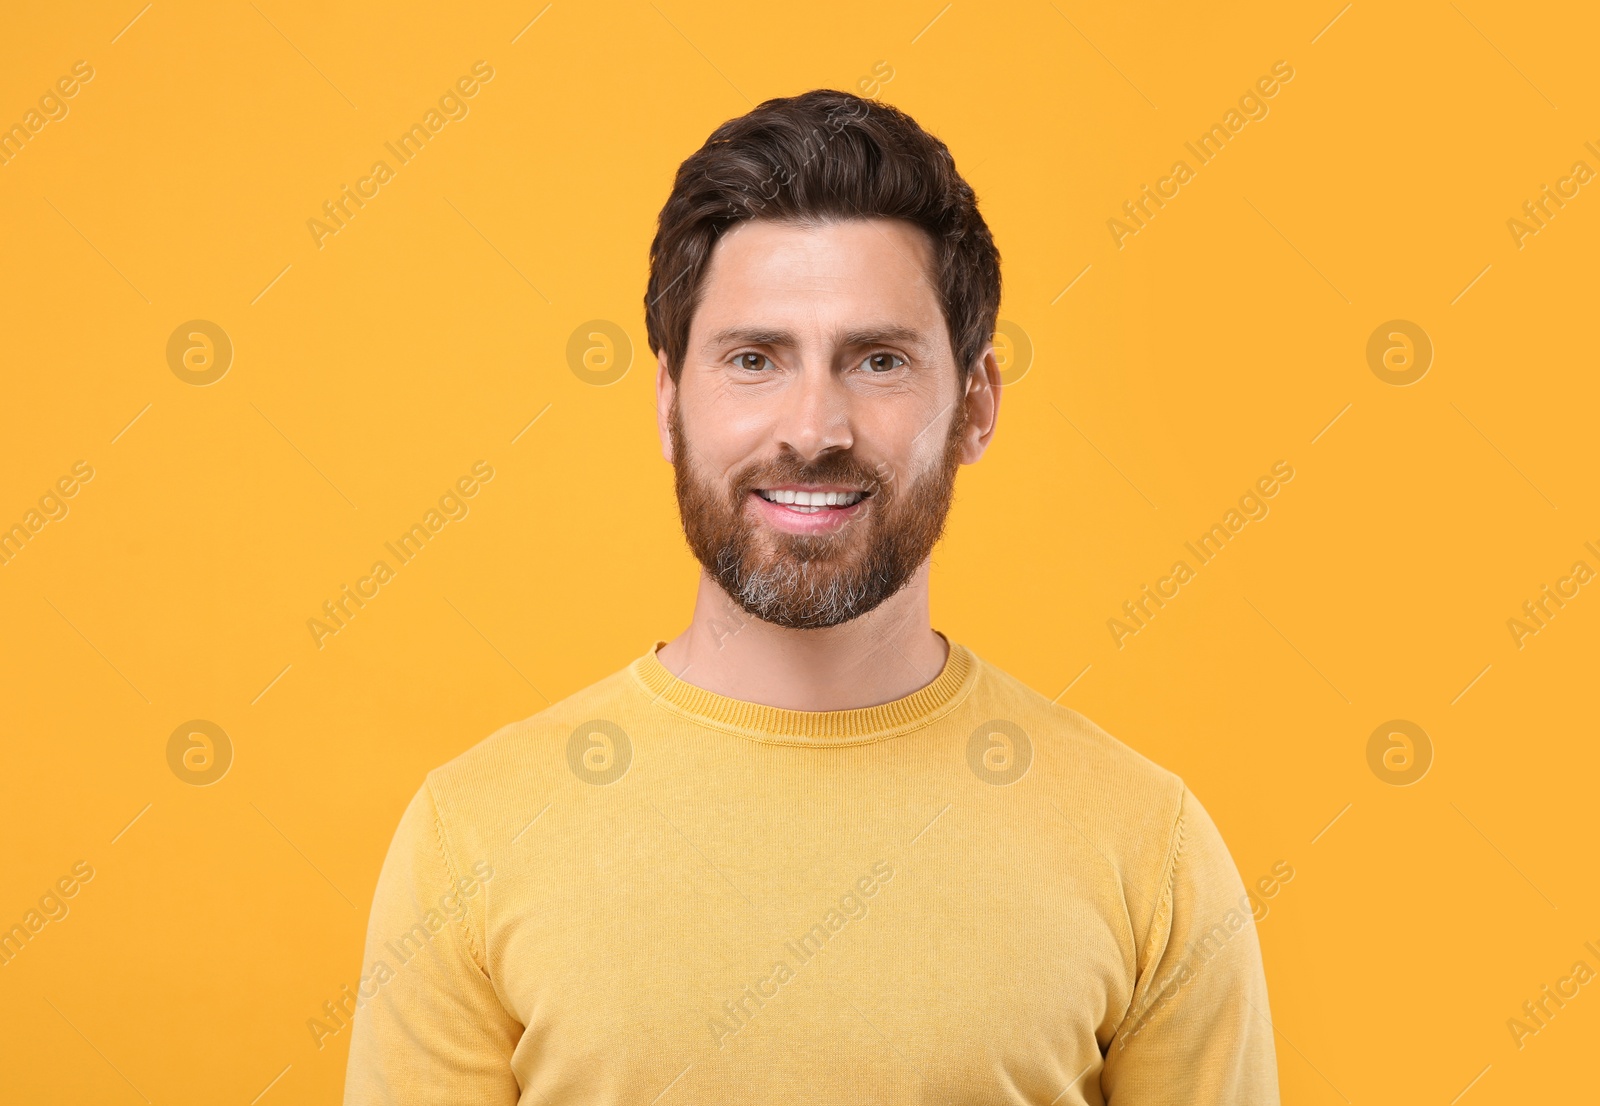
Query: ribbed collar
(778, 725)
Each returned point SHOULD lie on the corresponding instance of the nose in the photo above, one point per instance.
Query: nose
(814, 413)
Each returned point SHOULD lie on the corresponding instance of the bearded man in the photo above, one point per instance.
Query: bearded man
(811, 850)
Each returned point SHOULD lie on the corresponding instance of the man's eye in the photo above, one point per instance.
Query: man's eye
(883, 362)
(751, 361)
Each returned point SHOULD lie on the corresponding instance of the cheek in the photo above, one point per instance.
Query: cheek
(912, 442)
(721, 438)
(727, 424)
(738, 430)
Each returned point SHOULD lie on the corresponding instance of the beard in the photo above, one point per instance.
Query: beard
(811, 581)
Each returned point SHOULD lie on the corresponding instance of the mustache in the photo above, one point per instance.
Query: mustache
(839, 468)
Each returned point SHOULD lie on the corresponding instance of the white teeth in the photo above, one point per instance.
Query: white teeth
(810, 502)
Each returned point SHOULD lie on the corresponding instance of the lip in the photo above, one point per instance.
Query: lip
(824, 521)
(812, 488)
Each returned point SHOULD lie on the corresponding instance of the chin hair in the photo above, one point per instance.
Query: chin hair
(788, 595)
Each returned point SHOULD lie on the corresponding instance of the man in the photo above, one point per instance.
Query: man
(812, 850)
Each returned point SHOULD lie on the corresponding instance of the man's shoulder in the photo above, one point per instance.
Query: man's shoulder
(1116, 801)
(1077, 755)
(520, 756)
(1106, 788)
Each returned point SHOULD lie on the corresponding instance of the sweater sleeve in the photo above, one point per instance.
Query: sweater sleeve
(429, 1026)
(1198, 1030)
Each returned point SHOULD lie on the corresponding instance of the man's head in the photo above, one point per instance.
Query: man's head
(822, 303)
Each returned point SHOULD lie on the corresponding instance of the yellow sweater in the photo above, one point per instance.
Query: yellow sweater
(655, 895)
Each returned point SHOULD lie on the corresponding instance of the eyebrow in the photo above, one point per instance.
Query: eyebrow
(763, 336)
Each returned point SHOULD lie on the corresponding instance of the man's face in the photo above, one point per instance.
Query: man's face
(817, 426)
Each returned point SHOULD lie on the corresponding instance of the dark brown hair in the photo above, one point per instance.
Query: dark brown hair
(818, 157)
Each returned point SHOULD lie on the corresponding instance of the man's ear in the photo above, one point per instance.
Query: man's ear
(983, 405)
(666, 393)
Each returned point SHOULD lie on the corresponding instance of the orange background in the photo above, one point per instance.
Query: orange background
(369, 373)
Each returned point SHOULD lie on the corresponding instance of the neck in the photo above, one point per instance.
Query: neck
(881, 656)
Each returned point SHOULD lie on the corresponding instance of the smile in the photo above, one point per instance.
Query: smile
(809, 502)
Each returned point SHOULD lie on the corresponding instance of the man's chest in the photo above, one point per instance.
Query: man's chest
(962, 967)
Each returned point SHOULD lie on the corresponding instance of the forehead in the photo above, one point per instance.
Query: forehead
(768, 271)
